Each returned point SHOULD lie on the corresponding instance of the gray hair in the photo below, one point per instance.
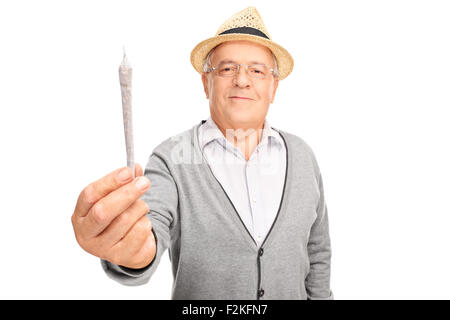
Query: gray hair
(207, 63)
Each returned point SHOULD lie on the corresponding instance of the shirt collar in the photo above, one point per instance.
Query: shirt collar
(209, 132)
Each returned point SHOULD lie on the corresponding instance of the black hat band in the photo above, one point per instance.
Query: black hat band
(246, 30)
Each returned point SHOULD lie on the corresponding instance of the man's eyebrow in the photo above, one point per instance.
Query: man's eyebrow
(232, 61)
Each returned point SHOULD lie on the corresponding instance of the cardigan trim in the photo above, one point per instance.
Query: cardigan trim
(260, 291)
(261, 250)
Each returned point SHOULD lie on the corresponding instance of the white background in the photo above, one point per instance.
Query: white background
(369, 93)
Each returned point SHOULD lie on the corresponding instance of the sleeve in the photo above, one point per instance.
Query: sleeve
(162, 198)
(317, 281)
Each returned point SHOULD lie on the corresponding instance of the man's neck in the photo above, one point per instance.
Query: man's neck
(245, 139)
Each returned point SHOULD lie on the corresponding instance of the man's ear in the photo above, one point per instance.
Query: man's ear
(205, 84)
(275, 86)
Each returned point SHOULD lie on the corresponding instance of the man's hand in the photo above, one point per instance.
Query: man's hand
(110, 219)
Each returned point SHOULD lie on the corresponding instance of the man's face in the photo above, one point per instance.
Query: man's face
(228, 111)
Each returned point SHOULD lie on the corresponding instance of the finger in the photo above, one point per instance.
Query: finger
(134, 239)
(123, 223)
(100, 188)
(112, 205)
(138, 170)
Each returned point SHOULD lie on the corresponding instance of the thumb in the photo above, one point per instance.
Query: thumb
(138, 169)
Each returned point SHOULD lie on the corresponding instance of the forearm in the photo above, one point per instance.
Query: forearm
(318, 279)
(319, 252)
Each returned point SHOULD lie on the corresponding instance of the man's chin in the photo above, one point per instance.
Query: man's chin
(242, 116)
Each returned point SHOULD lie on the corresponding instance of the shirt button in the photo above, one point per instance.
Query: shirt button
(261, 292)
(261, 251)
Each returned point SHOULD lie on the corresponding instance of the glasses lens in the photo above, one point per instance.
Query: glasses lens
(258, 71)
(226, 69)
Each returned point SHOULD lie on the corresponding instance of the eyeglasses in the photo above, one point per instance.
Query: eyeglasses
(256, 71)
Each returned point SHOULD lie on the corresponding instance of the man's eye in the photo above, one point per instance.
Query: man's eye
(257, 71)
(226, 68)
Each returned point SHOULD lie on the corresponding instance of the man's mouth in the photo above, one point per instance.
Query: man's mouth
(237, 97)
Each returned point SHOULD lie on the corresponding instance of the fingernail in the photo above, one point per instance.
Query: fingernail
(124, 174)
(142, 182)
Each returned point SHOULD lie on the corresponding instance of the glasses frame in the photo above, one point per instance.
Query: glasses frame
(238, 65)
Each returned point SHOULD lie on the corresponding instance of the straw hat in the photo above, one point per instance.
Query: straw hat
(244, 25)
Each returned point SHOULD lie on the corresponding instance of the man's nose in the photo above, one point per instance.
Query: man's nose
(241, 77)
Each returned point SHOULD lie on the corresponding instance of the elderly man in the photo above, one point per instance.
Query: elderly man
(242, 211)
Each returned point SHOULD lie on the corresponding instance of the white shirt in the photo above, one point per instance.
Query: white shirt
(255, 186)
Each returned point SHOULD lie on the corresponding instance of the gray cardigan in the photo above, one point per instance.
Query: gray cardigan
(213, 255)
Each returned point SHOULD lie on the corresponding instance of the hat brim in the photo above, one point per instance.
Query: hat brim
(284, 59)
